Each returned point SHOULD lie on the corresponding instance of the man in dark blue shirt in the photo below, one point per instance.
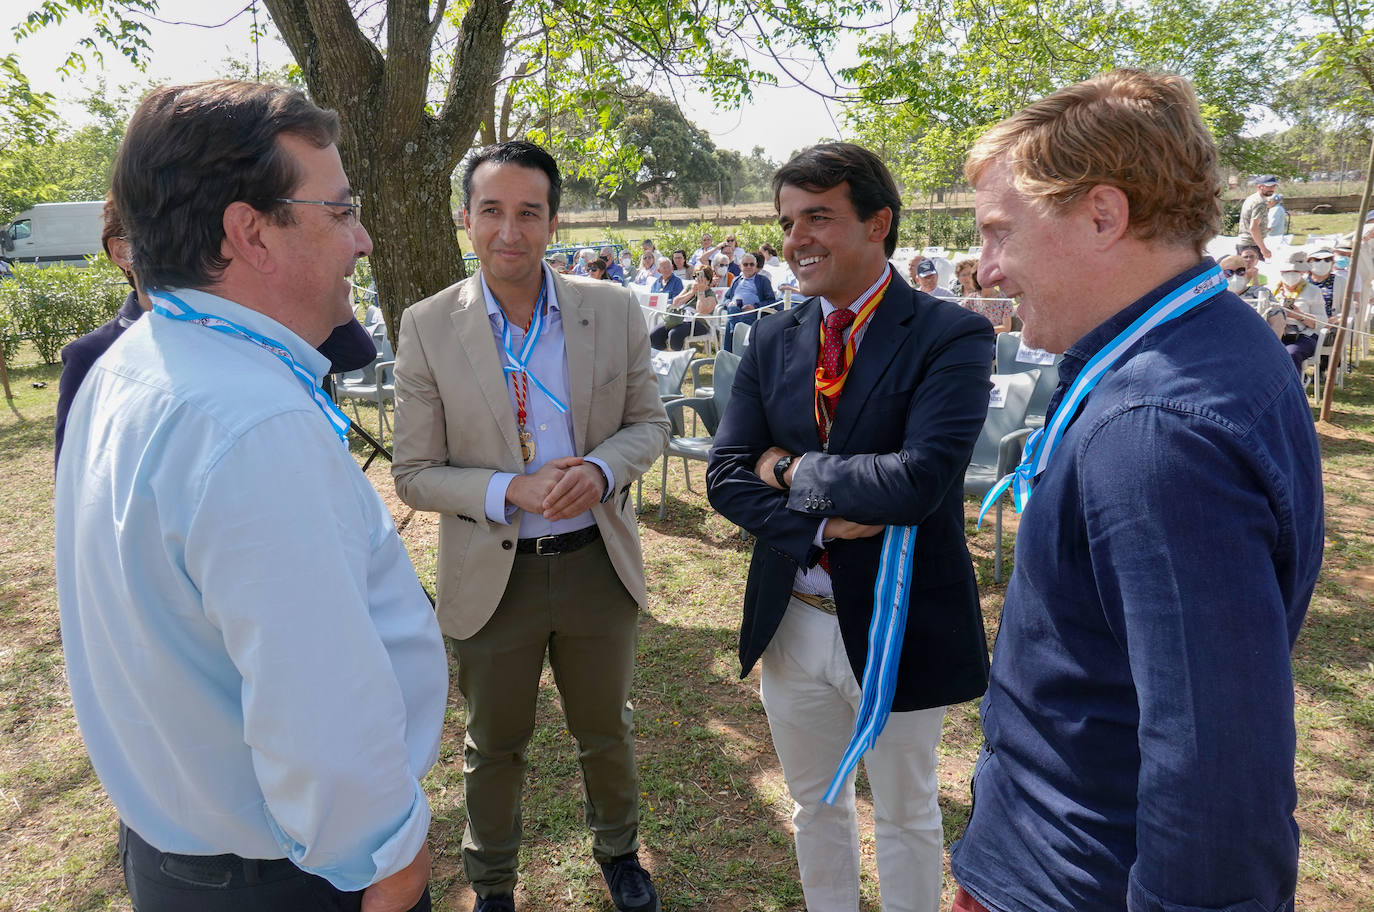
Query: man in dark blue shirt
(1139, 720)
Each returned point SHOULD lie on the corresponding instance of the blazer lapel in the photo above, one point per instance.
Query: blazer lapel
(801, 347)
(579, 344)
(887, 332)
(473, 326)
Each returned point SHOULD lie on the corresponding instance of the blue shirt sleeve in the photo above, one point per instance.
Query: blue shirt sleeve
(1193, 597)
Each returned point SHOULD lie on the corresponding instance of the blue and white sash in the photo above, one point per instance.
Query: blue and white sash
(1041, 444)
(170, 306)
(518, 364)
(885, 635)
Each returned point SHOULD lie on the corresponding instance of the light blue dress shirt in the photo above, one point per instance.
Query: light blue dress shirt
(552, 430)
(253, 663)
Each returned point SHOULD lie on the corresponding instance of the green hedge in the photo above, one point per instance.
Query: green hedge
(668, 238)
(52, 305)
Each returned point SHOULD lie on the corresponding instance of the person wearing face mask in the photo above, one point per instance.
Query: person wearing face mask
(1239, 273)
(1321, 264)
(1297, 310)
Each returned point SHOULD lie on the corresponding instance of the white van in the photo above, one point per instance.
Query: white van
(55, 233)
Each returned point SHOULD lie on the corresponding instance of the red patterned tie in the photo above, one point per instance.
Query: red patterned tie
(832, 363)
(832, 357)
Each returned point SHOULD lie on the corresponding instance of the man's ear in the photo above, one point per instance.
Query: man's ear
(880, 223)
(244, 237)
(1110, 212)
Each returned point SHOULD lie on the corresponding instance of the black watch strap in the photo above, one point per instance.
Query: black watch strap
(780, 470)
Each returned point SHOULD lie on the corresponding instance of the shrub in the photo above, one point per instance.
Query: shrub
(51, 305)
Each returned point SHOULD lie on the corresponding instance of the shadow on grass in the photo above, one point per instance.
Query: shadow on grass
(713, 834)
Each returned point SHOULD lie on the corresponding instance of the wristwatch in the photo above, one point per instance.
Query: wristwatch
(780, 470)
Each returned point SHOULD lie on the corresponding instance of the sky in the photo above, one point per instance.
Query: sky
(780, 119)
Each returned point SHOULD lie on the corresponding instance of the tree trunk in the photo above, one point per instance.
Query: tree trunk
(415, 252)
(622, 208)
(396, 153)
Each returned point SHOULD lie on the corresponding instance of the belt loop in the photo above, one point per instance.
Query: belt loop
(251, 874)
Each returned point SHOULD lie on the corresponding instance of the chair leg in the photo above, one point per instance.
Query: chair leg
(997, 547)
(663, 490)
(687, 474)
(639, 495)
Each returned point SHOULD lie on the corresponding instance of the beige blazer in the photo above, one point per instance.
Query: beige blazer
(455, 428)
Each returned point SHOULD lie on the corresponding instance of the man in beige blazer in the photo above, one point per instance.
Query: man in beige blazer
(525, 409)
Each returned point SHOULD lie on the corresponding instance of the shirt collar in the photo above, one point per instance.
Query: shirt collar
(494, 309)
(1088, 346)
(302, 351)
(827, 307)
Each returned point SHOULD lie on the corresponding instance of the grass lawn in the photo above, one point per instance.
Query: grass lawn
(716, 825)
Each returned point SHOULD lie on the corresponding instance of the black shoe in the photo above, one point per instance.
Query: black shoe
(631, 888)
(496, 903)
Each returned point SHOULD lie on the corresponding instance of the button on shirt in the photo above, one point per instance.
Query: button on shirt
(253, 663)
(815, 581)
(1139, 719)
(552, 430)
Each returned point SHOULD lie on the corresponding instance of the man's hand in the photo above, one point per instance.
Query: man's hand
(835, 527)
(580, 488)
(764, 467)
(402, 890)
(528, 492)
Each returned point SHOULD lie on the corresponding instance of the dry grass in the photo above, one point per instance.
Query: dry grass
(715, 810)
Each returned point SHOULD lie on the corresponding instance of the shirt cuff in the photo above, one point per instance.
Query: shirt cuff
(605, 470)
(819, 540)
(498, 511)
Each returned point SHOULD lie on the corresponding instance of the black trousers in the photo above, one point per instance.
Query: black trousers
(163, 882)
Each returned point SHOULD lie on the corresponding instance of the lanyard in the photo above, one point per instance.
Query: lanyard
(518, 364)
(828, 389)
(885, 634)
(1041, 444)
(174, 308)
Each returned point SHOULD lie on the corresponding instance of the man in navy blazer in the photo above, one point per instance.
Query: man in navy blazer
(816, 474)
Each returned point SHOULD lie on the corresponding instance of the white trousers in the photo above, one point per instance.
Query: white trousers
(812, 698)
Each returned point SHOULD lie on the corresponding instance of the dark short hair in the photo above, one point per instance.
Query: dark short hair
(1241, 248)
(826, 165)
(192, 150)
(516, 152)
(112, 224)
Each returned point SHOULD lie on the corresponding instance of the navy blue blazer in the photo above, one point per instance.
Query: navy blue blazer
(903, 435)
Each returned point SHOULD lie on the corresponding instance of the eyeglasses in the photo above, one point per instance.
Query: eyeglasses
(354, 204)
(750, 263)
(1319, 259)
(1227, 273)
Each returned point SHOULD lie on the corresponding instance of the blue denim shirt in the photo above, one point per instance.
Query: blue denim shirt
(1139, 720)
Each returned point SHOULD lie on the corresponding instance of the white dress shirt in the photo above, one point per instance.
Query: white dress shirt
(253, 663)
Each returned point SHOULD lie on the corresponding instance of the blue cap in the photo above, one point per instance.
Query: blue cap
(1268, 180)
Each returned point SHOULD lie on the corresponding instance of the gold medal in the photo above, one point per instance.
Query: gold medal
(526, 446)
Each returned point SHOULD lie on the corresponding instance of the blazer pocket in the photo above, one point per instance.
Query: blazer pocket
(616, 383)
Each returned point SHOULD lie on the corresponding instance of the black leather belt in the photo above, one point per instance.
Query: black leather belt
(547, 545)
(820, 602)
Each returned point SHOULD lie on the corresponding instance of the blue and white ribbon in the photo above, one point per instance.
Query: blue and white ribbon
(1041, 444)
(885, 635)
(519, 364)
(170, 306)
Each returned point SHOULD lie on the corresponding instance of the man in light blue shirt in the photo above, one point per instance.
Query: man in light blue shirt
(254, 666)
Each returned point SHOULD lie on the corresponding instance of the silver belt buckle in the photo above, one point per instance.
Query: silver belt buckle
(539, 544)
(827, 605)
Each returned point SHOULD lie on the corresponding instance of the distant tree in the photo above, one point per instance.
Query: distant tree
(966, 64)
(651, 149)
(68, 165)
